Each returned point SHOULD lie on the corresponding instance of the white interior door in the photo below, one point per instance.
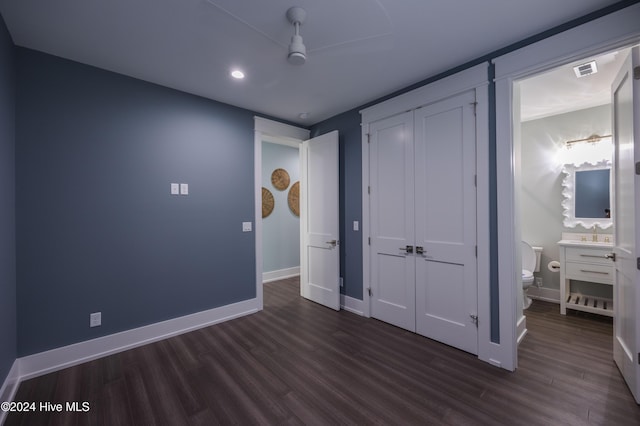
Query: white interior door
(626, 127)
(445, 196)
(392, 220)
(319, 197)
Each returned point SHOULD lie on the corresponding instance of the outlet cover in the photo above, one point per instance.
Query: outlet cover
(246, 226)
(95, 319)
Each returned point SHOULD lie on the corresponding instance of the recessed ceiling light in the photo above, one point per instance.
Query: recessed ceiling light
(237, 74)
(303, 115)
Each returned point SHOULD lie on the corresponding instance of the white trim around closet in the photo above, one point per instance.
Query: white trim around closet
(474, 78)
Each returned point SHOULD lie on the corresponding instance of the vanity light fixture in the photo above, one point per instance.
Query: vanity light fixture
(590, 139)
(591, 150)
(237, 74)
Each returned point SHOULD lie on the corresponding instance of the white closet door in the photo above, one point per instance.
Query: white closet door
(392, 220)
(446, 274)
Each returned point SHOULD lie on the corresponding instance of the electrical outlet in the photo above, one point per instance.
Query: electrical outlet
(246, 226)
(538, 281)
(341, 282)
(95, 319)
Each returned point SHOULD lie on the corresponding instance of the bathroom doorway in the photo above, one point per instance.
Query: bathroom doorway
(593, 276)
(565, 154)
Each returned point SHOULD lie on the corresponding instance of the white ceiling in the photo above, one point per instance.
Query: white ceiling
(559, 90)
(358, 50)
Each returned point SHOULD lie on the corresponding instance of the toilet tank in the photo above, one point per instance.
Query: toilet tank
(538, 252)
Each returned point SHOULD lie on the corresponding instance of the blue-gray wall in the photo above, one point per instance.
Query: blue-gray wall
(281, 229)
(7, 204)
(97, 228)
(350, 140)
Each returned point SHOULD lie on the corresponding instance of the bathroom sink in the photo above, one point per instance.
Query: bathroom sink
(585, 243)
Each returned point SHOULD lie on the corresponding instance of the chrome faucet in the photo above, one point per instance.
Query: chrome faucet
(594, 238)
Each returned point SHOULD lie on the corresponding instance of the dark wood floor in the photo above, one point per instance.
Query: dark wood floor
(299, 363)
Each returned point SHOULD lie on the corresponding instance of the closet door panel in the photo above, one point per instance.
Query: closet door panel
(392, 220)
(445, 199)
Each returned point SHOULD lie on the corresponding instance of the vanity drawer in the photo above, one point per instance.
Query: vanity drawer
(590, 272)
(593, 256)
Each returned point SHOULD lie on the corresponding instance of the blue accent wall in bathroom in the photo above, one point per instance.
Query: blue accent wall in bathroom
(97, 227)
(7, 204)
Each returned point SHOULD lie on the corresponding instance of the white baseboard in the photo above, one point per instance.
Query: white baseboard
(67, 356)
(543, 293)
(352, 305)
(10, 387)
(280, 274)
(522, 328)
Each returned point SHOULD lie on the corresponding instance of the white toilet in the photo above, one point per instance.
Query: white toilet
(530, 264)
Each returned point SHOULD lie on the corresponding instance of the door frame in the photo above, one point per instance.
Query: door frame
(284, 133)
(474, 78)
(611, 32)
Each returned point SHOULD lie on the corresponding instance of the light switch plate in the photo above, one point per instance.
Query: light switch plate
(246, 226)
(356, 225)
(175, 189)
(184, 189)
(95, 319)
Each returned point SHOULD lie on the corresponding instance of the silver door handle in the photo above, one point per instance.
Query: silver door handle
(420, 250)
(611, 256)
(332, 242)
(408, 249)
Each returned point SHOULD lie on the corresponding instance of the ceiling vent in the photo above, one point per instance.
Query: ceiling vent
(585, 69)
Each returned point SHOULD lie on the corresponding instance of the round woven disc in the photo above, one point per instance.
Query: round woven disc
(267, 202)
(280, 179)
(294, 198)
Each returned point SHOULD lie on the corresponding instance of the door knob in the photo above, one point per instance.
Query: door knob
(408, 249)
(420, 250)
(332, 242)
(611, 256)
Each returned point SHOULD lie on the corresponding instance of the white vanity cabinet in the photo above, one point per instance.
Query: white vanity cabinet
(585, 261)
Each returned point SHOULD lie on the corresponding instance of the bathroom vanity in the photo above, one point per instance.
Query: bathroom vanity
(585, 261)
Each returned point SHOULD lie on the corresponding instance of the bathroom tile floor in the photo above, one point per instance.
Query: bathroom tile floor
(297, 362)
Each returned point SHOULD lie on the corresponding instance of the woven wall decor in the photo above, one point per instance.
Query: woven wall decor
(280, 179)
(267, 202)
(294, 198)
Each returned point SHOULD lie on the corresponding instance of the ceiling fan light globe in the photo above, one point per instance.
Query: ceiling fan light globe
(297, 58)
(297, 51)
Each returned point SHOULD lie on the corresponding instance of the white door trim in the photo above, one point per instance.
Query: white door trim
(277, 132)
(472, 78)
(614, 31)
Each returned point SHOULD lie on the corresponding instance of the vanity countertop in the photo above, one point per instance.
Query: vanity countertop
(579, 243)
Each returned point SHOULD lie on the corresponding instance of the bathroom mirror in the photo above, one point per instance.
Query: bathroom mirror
(587, 195)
